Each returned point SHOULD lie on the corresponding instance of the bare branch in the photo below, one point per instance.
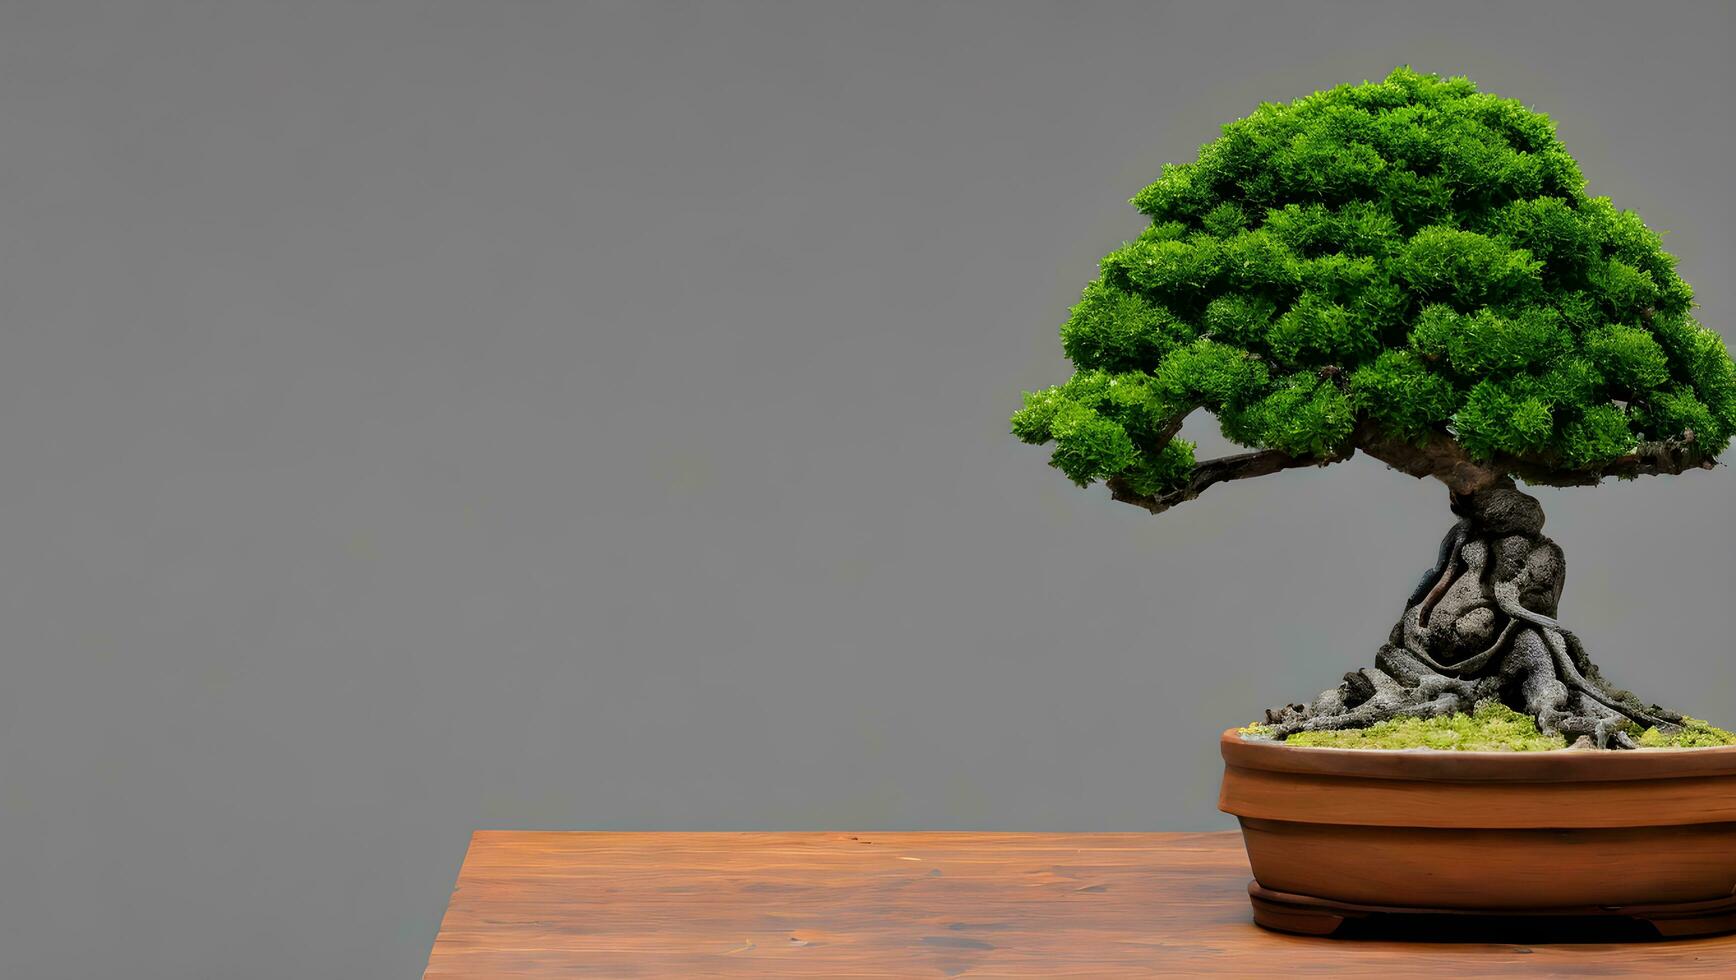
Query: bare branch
(1241, 466)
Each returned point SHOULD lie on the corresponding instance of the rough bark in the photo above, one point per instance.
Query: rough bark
(1481, 624)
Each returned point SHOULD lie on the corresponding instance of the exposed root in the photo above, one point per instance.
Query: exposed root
(1480, 625)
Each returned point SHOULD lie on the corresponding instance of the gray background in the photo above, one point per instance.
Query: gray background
(424, 416)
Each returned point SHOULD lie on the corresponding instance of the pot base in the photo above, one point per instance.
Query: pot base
(1310, 916)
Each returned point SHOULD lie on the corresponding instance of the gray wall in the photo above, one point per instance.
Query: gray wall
(424, 416)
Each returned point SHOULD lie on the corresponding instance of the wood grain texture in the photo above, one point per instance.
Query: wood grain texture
(594, 904)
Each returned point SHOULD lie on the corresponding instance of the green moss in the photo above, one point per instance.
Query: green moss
(1492, 727)
(1695, 734)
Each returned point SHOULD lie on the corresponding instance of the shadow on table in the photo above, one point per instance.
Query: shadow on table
(1517, 930)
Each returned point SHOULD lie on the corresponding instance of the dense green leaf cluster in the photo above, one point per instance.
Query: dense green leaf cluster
(1412, 254)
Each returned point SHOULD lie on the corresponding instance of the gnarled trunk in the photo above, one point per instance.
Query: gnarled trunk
(1481, 624)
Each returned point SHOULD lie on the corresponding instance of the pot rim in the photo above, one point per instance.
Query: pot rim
(1553, 766)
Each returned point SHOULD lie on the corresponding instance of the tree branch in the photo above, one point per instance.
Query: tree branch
(1440, 457)
(1667, 457)
(1444, 459)
(1241, 466)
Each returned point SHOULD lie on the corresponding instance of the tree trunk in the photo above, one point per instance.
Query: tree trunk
(1481, 624)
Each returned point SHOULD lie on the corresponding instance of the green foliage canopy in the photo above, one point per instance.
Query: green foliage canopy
(1407, 263)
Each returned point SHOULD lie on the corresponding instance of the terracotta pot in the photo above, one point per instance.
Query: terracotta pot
(1340, 833)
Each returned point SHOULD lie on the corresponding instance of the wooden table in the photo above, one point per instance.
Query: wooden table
(586, 904)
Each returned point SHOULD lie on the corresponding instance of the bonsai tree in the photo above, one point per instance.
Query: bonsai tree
(1411, 269)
